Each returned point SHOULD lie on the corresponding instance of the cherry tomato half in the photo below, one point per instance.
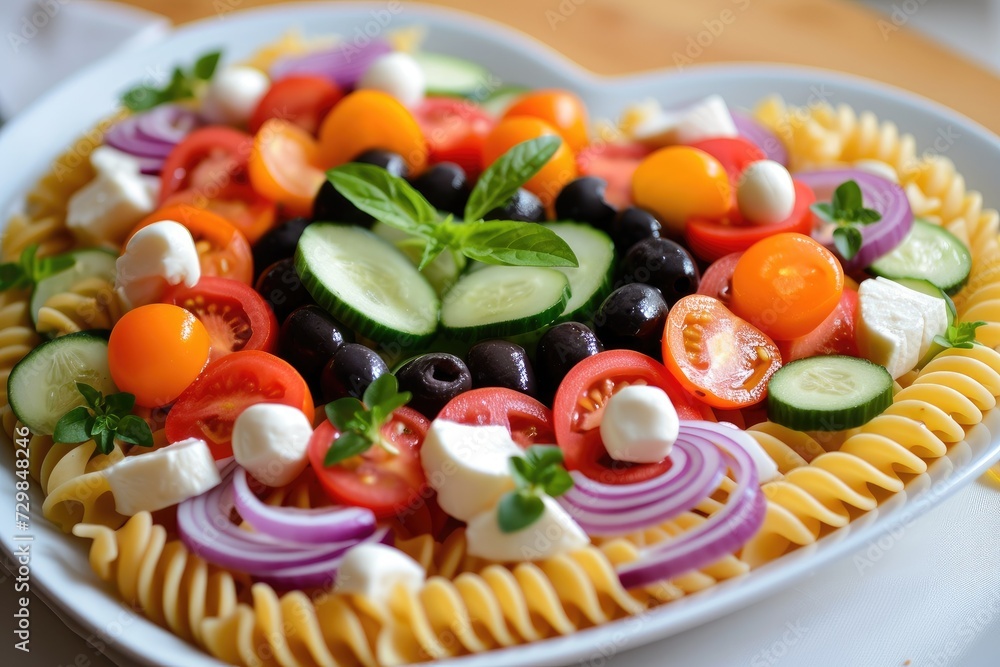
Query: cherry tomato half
(616, 164)
(208, 158)
(384, 483)
(368, 119)
(734, 154)
(836, 335)
(283, 166)
(209, 407)
(224, 252)
(557, 172)
(717, 281)
(239, 203)
(710, 239)
(579, 407)
(786, 285)
(301, 99)
(234, 314)
(455, 131)
(721, 359)
(528, 421)
(559, 108)
(678, 183)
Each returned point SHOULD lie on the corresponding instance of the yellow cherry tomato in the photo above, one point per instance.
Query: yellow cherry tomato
(369, 119)
(156, 351)
(557, 172)
(559, 108)
(679, 182)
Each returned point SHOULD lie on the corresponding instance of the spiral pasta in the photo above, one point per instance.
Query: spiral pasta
(91, 303)
(17, 338)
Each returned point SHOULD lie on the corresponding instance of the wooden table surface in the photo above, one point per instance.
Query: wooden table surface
(620, 36)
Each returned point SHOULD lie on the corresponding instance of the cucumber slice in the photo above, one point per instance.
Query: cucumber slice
(451, 76)
(930, 289)
(929, 252)
(503, 301)
(828, 393)
(501, 99)
(365, 282)
(442, 273)
(590, 282)
(89, 263)
(42, 386)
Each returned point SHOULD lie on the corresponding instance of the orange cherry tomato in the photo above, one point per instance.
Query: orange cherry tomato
(242, 206)
(368, 119)
(679, 182)
(786, 285)
(223, 251)
(156, 351)
(282, 166)
(720, 358)
(559, 108)
(557, 172)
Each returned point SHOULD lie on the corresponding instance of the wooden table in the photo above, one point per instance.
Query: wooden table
(620, 36)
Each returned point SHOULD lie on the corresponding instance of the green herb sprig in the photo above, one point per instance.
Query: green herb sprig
(394, 202)
(183, 85)
(539, 472)
(961, 335)
(29, 269)
(360, 423)
(847, 211)
(104, 419)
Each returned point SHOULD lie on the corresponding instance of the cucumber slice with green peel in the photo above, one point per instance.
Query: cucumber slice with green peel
(366, 283)
(590, 282)
(42, 386)
(929, 252)
(451, 76)
(442, 273)
(501, 99)
(500, 301)
(88, 263)
(828, 393)
(930, 289)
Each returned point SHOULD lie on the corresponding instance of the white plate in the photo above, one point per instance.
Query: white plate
(59, 569)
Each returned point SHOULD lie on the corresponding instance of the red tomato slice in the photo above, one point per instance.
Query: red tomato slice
(208, 159)
(238, 203)
(717, 281)
(834, 336)
(235, 315)
(615, 163)
(455, 131)
(711, 239)
(209, 407)
(300, 99)
(579, 406)
(385, 483)
(720, 358)
(735, 154)
(528, 421)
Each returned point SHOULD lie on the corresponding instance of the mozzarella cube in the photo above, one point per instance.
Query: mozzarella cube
(555, 532)
(375, 571)
(467, 466)
(234, 94)
(705, 119)
(896, 325)
(108, 207)
(271, 440)
(932, 309)
(161, 478)
(157, 256)
(639, 424)
(765, 194)
(397, 74)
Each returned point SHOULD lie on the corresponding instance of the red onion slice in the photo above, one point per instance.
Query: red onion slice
(884, 196)
(342, 64)
(723, 533)
(152, 135)
(764, 138)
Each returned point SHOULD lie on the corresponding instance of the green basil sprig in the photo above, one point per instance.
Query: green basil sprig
(29, 269)
(104, 419)
(847, 211)
(183, 85)
(539, 472)
(360, 423)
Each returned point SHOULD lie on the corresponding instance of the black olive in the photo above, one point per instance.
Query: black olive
(632, 317)
(523, 207)
(445, 186)
(500, 363)
(277, 243)
(351, 370)
(665, 265)
(633, 225)
(282, 288)
(583, 200)
(561, 348)
(331, 206)
(434, 379)
(309, 338)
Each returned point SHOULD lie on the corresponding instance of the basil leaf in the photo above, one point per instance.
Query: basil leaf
(74, 426)
(847, 197)
(381, 390)
(341, 412)
(134, 430)
(47, 266)
(142, 98)
(397, 401)
(12, 275)
(824, 211)
(120, 404)
(866, 216)
(105, 441)
(516, 511)
(205, 66)
(432, 249)
(511, 170)
(521, 470)
(385, 197)
(347, 445)
(91, 395)
(544, 456)
(557, 482)
(515, 244)
(847, 240)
